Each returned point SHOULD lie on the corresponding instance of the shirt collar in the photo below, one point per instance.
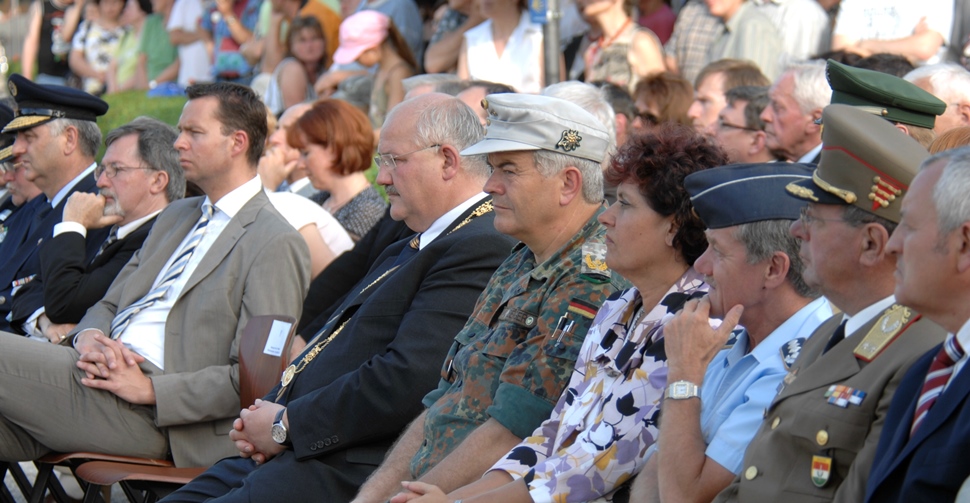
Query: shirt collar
(768, 348)
(231, 203)
(132, 226)
(963, 337)
(810, 155)
(441, 224)
(853, 323)
(298, 185)
(61, 194)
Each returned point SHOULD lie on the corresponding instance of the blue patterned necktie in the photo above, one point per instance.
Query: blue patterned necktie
(112, 237)
(171, 275)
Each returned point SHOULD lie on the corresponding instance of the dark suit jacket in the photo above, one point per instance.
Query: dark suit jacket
(932, 465)
(355, 398)
(328, 289)
(25, 261)
(68, 284)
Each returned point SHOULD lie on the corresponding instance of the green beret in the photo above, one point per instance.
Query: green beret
(878, 93)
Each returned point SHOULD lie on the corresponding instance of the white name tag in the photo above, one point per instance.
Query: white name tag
(277, 338)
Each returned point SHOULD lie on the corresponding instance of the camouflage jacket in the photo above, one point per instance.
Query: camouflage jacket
(513, 358)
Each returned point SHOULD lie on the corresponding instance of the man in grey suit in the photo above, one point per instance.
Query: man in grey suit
(152, 369)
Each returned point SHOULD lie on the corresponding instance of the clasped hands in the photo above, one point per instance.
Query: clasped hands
(111, 366)
(252, 431)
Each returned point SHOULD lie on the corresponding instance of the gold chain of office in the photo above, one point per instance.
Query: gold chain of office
(295, 368)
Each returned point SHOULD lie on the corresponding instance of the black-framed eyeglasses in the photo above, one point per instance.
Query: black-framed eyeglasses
(390, 160)
(807, 218)
(727, 125)
(112, 170)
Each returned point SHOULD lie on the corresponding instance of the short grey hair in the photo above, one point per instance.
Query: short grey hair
(811, 89)
(762, 239)
(155, 148)
(428, 79)
(593, 100)
(857, 217)
(451, 122)
(88, 133)
(950, 192)
(549, 163)
(951, 82)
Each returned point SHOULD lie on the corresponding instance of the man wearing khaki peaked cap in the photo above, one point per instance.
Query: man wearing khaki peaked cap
(507, 368)
(819, 436)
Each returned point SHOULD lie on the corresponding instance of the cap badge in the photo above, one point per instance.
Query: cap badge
(883, 192)
(802, 192)
(484, 104)
(570, 140)
(13, 88)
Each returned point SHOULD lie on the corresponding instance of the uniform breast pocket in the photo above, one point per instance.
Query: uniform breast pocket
(504, 337)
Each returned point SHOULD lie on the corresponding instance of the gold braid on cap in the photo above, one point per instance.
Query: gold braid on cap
(883, 192)
(846, 195)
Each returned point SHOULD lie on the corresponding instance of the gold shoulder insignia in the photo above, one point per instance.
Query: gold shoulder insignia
(892, 323)
(570, 140)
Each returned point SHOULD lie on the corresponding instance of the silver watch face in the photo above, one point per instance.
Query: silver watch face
(279, 433)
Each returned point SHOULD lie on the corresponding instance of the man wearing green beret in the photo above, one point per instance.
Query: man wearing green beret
(818, 439)
(911, 109)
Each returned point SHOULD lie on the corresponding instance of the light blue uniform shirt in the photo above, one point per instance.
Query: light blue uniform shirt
(739, 385)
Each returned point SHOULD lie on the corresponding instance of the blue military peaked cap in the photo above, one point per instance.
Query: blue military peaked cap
(6, 140)
(38, 104)
(744, 193)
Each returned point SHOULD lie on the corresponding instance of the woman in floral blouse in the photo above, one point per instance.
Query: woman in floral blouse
(607, 418)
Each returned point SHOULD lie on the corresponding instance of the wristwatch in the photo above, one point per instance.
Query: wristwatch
(682, 390)
(280, 435)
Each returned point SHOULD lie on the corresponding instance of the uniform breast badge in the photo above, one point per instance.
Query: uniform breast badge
(821, 470)
(893, 322)
(843, 396)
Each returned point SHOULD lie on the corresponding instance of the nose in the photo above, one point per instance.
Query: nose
(767, 115)
(492, 185)
(180, 142)
(797, 230)
(608, 217)
(103, 181)
(703, 263)
(383, 175)
(694, 112)
(19, 145)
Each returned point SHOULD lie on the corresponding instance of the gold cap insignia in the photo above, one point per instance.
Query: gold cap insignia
(484, 104)
(883, 192)
(802, 192)
(13, 88)
(570, 140)
(845, 195)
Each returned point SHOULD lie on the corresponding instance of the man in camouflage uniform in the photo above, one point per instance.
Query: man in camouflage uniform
(511, 361)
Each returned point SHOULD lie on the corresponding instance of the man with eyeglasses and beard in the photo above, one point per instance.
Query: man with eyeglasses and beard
(138, 176)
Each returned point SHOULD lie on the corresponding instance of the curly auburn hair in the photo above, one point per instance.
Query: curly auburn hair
(657, 162)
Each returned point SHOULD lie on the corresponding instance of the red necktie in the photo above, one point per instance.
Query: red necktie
(939, 374)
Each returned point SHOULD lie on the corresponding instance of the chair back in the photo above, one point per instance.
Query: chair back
(260, 365)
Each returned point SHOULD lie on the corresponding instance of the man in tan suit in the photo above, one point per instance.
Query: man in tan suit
(153, 368)
(819, 436)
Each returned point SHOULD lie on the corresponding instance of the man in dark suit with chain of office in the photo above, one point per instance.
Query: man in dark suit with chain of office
(138, 176)
(819, 436)
(342, 403)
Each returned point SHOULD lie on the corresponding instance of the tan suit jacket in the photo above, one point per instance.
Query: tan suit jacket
(801, 423)
(258, 265)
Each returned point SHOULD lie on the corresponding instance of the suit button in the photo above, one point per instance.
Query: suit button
(320, 444)
(334, 439)
(774, 424)
(326, 442)
(3, 300)
(822, 437)
(313, 447)
(751, 472)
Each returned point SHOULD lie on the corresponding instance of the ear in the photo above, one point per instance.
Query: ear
(240, 143)
(963, 110)
(452, 166)
(873, 244)
(962, 236)
(621, 124)
(777, 272)
(671, 231)
(812, 127)
(572, 185)
(757, 143)
(159, 183)
(71, 140)
(902, 127)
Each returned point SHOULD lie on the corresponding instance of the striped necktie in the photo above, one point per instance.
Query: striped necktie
(112, 237)
(171, 275)
(936, 378)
